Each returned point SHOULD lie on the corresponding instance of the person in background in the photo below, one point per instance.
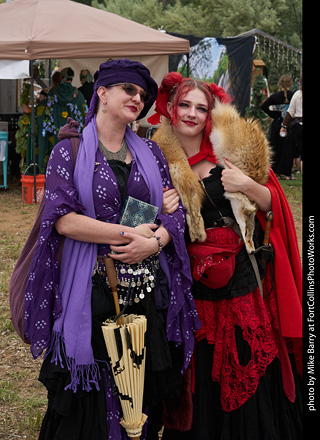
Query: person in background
(56, 78)
(40, 115)
(293, 124)
(242, 381)
(276, 107)
(66, 305)
(63, 101)
(87, 85)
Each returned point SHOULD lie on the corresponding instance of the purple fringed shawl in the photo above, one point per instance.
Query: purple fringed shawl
(58, 303)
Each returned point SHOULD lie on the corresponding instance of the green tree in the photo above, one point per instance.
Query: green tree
(254, 111)
(214, 18)
(171, 16)
(281, 19)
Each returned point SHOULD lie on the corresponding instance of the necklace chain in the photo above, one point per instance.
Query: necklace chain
(117, 155)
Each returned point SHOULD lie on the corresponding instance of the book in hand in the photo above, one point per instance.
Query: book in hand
(136, 212)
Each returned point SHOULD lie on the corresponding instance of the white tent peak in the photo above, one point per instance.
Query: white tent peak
(39, 29)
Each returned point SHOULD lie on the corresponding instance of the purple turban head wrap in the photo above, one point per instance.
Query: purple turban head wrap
(121, 71)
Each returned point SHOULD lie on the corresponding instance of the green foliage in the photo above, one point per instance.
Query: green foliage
(23, 122)
(214, 18)
(171, 16)
(22, 134)
(254, 111)
(281, 19)
(238, 16)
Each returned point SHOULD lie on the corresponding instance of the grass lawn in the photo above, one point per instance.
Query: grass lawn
(22, 397)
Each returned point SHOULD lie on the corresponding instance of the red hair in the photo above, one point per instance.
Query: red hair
(174, 88)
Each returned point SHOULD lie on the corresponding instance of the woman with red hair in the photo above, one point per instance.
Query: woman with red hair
(242, 380)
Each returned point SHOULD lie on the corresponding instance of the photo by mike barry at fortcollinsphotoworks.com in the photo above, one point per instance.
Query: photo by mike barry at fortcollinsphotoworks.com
(310, 333)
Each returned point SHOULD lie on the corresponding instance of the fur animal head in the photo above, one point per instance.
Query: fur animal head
(244, 144)
(241, 141)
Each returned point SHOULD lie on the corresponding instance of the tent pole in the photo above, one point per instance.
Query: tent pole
(188, 65)
(49, 72)
(33, 135)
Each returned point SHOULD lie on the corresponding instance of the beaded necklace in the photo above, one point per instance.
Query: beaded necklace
(117, 155)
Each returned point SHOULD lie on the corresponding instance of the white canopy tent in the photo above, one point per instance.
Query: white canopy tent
(10, 69)
(40, 29)
(66, 30)
(80, 36)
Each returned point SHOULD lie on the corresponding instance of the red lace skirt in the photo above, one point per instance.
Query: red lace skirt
(257, 317)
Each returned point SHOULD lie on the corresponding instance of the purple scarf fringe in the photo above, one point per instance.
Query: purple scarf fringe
(80, 374)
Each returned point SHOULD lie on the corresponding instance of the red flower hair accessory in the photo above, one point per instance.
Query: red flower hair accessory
(169, 83)
(219, 92)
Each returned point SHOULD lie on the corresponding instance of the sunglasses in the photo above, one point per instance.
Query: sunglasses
(132, 90)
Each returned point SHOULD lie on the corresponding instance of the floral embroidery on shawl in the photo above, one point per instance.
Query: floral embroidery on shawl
(43, 297)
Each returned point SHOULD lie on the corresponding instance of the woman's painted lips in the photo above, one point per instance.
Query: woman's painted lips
(191, 123)
(133, 108)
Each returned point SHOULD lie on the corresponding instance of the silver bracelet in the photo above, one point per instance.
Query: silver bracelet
(159, 244)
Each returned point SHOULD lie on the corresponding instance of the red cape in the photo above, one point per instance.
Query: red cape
(283, 238)
(288, 268)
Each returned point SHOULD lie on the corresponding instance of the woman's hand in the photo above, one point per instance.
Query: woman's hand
(170, 201)
(145, 230)
(283, 132)
(25, 108)
(233, 180)
(137, 249)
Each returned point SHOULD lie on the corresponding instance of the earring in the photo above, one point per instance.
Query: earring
(104, 109)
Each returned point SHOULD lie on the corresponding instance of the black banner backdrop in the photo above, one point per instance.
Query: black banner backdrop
(225, 61)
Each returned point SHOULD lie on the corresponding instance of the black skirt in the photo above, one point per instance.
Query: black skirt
(267, 415)
(83, 415)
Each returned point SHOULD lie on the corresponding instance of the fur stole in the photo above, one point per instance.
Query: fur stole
(183, 179)
(243, 143)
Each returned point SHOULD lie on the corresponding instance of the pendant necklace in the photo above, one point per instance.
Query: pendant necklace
(117, 155)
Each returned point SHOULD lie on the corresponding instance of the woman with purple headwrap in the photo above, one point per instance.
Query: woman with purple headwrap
(65, 304)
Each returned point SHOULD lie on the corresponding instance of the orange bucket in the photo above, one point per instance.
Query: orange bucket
(28, 188)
